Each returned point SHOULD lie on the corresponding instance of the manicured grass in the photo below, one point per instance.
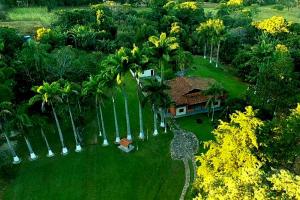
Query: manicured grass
(102, 172)
(27, 20)
(203, 68)
(268, 11)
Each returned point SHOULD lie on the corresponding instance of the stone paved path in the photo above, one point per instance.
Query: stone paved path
(183, 147)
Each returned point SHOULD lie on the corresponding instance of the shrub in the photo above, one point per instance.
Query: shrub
(278, 7)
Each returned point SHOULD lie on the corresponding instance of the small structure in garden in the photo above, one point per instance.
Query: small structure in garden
(126, 145)
(187, 94)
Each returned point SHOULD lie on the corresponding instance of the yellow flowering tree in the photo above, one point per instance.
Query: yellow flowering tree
(41, 32)
(286, 183)
(274, 25)
(228, 169)
(235, 2)
(214, 30)
(234, 167)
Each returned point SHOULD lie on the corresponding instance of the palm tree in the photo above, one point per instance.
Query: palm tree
(41, 122)
(50, 94)
(162, 47)
(70, 91)
(108, 77)
(94, 87)
(120, 60)
(22, 122)
(139, 62)
(156, 95)
(214, 93)
(5, 112)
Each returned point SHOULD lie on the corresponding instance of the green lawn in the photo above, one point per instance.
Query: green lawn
(203, 68)
(268, 11)
(101, 172)
(27, 20)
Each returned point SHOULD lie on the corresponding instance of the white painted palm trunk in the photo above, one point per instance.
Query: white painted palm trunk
(105, 142)
(50, 153)
(141, 134)
(204, 51)
(162, 118)
(98, 120)
(32, 155)
(155, 131)
(16, 159)
(117, 140)
(78, 147)
(129, 137)
(211, 52)
(64, 148)
(218, 52)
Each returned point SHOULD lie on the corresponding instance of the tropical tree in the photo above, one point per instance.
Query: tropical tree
(70, 93)
(95, 87)
(214, 92)
(157, 97)
(162, 47)
(120, 61)
(50, 94)
(139, 62)
(214, 29)
(5, 112)
(108, 75)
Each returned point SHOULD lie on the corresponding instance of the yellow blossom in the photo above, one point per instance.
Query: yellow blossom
(281, 48)
(41, 32)
(235, 2)
(188, 5)
(273, 25)
(175, 28)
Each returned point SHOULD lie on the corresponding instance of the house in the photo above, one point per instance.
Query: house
(125, 145)
(187, 96)
(147, 73)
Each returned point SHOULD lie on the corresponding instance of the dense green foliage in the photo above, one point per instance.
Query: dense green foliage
(77, 68)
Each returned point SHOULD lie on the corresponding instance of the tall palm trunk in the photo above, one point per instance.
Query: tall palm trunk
(31, 152)
(213, 111)
(98, 119)
(204, 56)
(161, 70)
(116, 121)
(16, 159)
(218, 52)
(78, 147)
(129, 137)
(79, 105)
(155, 131)
(162, 118)
(105, 142)
(211, 52)
(50, 153)
(64, 148)
(142, 134)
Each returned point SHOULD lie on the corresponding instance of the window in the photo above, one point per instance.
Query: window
(181, 110)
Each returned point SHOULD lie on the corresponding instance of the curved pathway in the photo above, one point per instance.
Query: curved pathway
(183, 147)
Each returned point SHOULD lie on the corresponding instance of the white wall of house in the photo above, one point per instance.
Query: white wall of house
(147, 73)
(181, 110)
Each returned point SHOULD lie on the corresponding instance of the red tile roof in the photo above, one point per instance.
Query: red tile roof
(124, 142)
(188, 90)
